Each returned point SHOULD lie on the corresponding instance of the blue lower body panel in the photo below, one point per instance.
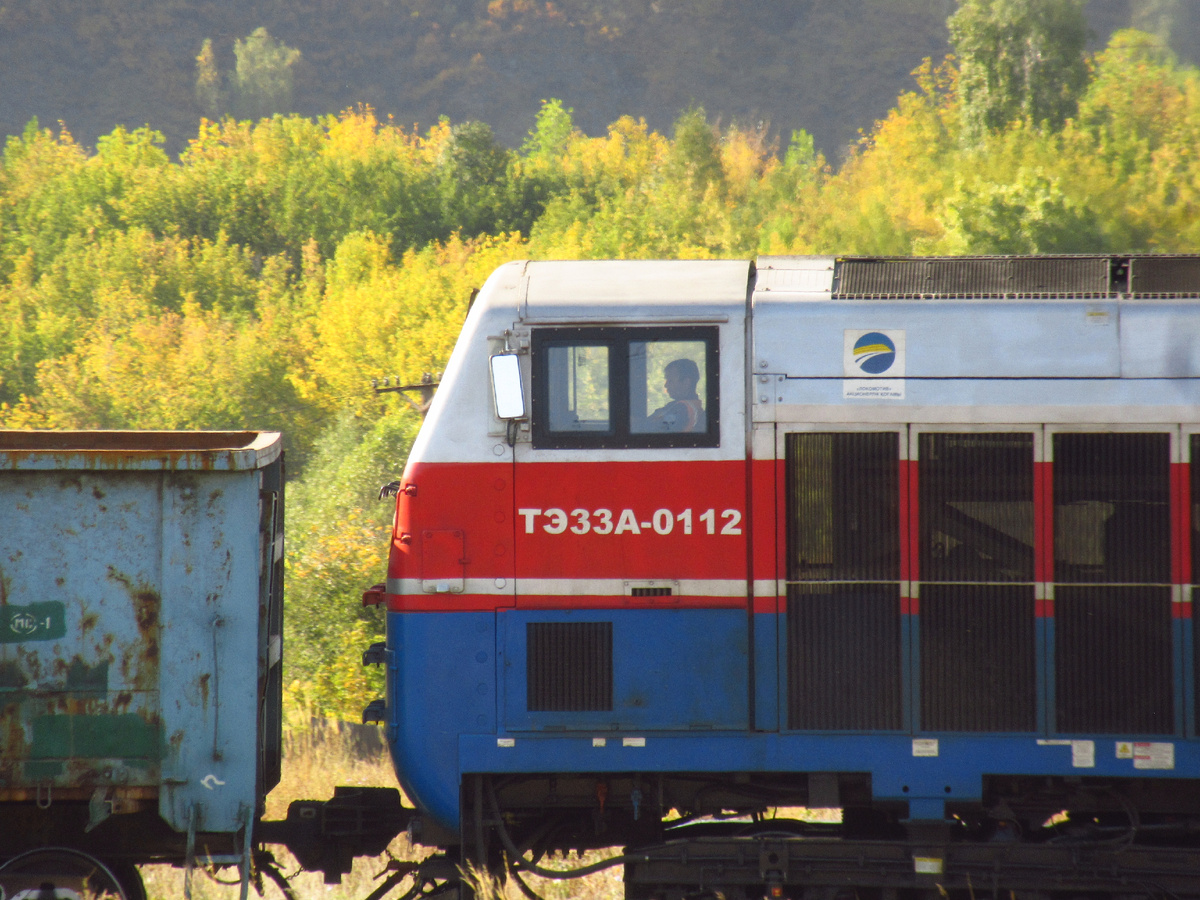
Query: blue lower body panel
(491, 692)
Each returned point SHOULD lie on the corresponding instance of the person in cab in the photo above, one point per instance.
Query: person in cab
(685, 412)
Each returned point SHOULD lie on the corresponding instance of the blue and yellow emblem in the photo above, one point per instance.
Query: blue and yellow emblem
(874, 353)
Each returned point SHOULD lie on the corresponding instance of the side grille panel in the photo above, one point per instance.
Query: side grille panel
(1112, 520)
(978, 658)
(1195, 551)
(1113, 660)
(1112, 562)
(843, 657)
(978, 645)
(569, 667)
(843, 614)
(843, 507)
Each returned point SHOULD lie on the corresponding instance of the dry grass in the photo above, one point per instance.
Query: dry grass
(605, 885)
(311, 769)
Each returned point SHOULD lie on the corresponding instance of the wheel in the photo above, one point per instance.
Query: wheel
(60, 873)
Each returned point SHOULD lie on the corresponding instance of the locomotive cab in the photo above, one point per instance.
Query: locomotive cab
(586, 554)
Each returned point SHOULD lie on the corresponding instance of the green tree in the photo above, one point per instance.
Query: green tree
(262, 78)
(1029, 213)
(552, 133)
(337, 544)
(695, 158)
(478, 194)
(1019, 59)
(208, 82)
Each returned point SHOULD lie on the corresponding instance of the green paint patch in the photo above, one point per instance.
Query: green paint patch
(43, 769)
(125, 736)
(83, 678)
(46, 621)
(12, 676)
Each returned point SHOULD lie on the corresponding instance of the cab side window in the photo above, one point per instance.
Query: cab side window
(625, 387)
(667, 387)
(580, 401)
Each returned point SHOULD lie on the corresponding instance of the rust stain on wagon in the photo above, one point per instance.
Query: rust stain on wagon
(139, 662)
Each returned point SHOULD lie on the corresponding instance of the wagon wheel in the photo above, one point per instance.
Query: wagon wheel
(60, 872)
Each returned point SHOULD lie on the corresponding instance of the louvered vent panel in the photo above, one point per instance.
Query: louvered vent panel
(977, 626)
(1055, 276)
(900, 277)
(976, 507)
(843, 506)
(1195, 551)
(1113, 660)
(973, 277)
(970, 276)
(843, 657)
(978, 658)
(569, 666)
(1112, 517)
(1164, 275)
(843, 616)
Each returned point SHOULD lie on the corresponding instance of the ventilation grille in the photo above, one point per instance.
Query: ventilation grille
(1113, 660)
(1055, 276)
(978, 658)
(650, 592)
(569, 666)
(1165, 275)
(1195, 484)
(843, 657)
(1195, 551)
(1112, 516)
(843, 506)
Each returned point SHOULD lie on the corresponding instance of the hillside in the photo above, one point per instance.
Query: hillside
(829, 68)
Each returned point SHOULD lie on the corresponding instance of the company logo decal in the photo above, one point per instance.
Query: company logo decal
(874, 353)
(873, 364)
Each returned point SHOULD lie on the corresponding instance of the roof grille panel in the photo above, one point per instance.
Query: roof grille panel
(983, 276)
(1164, 275)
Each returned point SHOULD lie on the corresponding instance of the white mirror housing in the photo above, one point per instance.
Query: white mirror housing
(506, 386)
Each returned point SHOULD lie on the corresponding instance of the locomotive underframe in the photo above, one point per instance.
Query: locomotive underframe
(733, 835)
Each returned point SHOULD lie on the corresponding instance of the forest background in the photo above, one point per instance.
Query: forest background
(262, 275)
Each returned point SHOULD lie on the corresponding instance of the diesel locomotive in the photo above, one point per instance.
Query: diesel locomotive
(684, 546)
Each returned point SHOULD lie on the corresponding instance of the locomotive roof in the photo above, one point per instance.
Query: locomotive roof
(594, 290)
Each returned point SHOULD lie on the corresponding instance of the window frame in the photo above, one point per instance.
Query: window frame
(618, 340)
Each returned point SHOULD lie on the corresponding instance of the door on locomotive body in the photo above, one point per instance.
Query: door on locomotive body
(976, 589)
(631, 605)
(1188, 491)
(1117, 569)
(843, 608)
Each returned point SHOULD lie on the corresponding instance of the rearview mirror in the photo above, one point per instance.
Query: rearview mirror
(506, 386)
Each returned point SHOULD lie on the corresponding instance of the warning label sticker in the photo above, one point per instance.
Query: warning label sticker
(1083, 754)
(1156, 755)
(925, 747)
